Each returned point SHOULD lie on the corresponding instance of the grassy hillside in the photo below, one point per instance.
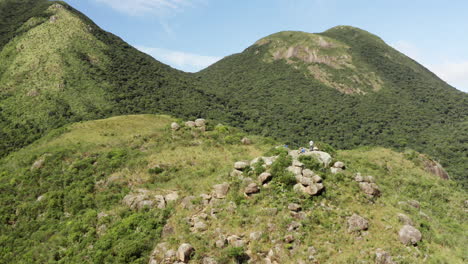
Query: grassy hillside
(345, 87)
(59, 67)
(63, 200)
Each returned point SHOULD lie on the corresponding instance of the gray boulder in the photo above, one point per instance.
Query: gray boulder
(200, 122)
(339, 164)
(295, 170)
(409, 235)
(357, 223)
(308, 173)
(175, 126)
(236, 173)
(405, 219)
(252, 188)
(221, 190)
(190, 124)
(370, 189)
(241, 165)
(185, 251)
(324, 158)
(264, 177)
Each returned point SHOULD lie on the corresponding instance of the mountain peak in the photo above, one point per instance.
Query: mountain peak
(320, 56)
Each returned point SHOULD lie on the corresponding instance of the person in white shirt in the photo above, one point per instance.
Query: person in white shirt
(311, 144)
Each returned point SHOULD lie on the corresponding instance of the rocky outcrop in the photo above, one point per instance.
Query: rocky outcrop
(357, 223)
(409, 235)
(144, 198)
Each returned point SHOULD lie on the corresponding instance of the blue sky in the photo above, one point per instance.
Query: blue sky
(191, 34)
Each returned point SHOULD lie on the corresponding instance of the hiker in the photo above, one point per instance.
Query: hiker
(311, 144)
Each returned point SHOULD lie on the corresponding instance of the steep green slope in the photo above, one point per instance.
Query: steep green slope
(59, 67)
(90, 193)
(345, 87)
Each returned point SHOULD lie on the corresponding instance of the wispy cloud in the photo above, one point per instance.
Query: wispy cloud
(454, 73)
(188, 62)
(145, 7)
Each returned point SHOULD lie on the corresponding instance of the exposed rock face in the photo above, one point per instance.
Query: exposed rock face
(383, 257)
(265, 177)
(357, 223)
(252, 188)
(221, 190)
(435, 168)
(175, 126)
(409, 235)
(185, 251)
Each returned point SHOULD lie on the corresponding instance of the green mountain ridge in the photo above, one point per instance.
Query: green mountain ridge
(129, 189)
(344, 86)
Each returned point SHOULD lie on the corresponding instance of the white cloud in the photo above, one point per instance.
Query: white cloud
(454, 73)
(145, 7)
(180, 60)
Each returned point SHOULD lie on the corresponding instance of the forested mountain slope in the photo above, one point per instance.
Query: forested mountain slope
(346, 87)
(59, 67)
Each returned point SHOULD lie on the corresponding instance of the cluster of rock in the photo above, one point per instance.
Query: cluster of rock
(162, 254)
(308, 182)
(198, 123)
(408, 234)
(337, 167)
(142, 198)
(367, 185)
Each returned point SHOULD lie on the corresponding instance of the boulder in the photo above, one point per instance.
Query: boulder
(255, 235)
(269, 160)
(308, 173)
(171, 197)
(409, 235)
(405, 219)
(414, 204)
(293, 226)
(246, 141)
(187, 202)
(324, 158)
(289, 238)
(221, 242)
(436, 169)
(383, 257)
(185, 251)
(358, 177)
(175, 126)
(200, 226)
(339, 164)
(241, 165)
(295, 170)
(251, 189)
(294, 207)
(209, 260)
(235, 241)
(316, 179)
(371, 189)
(313, 189)
(190, 124)
(334, 170)
(236, 173)
(264, 177)
(297, 163)
(306, 181)
(200, 122)
(221, 190)
(357, 223)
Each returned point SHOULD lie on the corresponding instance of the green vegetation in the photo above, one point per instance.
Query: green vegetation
(61, 199)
